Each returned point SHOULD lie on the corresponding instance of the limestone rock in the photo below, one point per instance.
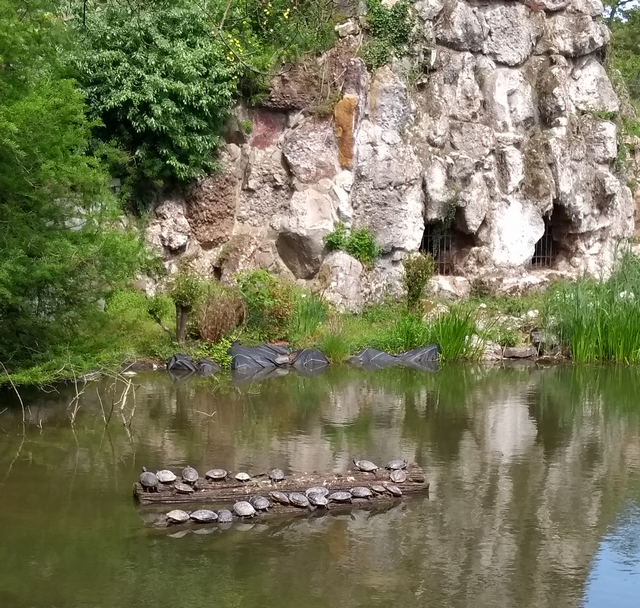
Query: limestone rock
(308, 219)
(211, 208)
(450, 287)
(519, 352)
(429, 9)
(389, 106)
(590, 89)
(439, 192)
(310, 151)
(512, 33)
(508, 97)
(348, 28)
(603, 140)
(460, 28)
(339, 281)
(473, 139)
(573, 34)
(168, 227)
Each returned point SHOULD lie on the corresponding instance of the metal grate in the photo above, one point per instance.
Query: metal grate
(546, 249)
(437, 242)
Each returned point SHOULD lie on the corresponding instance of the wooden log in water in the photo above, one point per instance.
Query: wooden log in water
(230, 490)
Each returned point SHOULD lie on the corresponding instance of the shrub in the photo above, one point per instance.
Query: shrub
(418, 269)
(218, 351)
(222, 311)
(359, 243)
(375, 53)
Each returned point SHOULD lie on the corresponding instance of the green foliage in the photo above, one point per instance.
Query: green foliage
(598, 320)
(359, 243)
(408, 332)
(60, 249)
(270, 302)
(453, 332)
(335, 345)
(624, 21)
(418, 269)
(188, 289)
(218, 351)
(246, 126)
(310, 312)
(390, 30)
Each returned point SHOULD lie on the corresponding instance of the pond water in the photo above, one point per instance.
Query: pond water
(534, 500)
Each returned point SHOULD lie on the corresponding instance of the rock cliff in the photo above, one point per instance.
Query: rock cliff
(492, 144)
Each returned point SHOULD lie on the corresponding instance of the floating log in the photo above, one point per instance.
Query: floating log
(209, 492)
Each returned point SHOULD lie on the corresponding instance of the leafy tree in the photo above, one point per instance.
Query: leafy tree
(59, 249)
(624, 21)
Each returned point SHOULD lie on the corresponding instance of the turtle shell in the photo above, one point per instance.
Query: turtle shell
(177, 516)
(243, 477)
(225, 516)
(298, 500)
(280, 497)
(318, 500)
(204, 516)
(340, 497)
(395, 490)
(260, 503)
(166, 476)
(276, 475)
(379, 489)
(183, 488)
(148, 480)
(216, 474)
(317, 490)
(366, 465)
(396, 465)
(398, 476)
(361, 492)
(189, 475)
(244, 509)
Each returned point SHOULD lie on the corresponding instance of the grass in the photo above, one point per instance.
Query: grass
(598, 320)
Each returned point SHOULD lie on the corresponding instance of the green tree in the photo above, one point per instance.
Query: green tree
(59, 249)
(624, 21)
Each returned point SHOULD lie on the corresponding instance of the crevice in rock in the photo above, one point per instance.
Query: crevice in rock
(546, 249)
(443, 241)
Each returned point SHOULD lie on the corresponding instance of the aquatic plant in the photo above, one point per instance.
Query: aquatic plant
(335, 345)
(309, 313)
(455, 334)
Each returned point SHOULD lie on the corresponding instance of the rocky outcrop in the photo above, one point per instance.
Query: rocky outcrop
(505, 134)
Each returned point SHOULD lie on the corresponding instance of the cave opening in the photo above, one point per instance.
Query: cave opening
(437, 240)
(546, 249)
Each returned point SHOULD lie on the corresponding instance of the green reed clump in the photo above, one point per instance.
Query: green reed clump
(409, 331)
(335, 345)
(598, 320)
(454, 333)
(310, 312)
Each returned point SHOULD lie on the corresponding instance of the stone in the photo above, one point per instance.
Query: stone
(593, 8)
(345, 116)
(512, 33)
(310, 151)
(344, 180)
(168, 228)
(474, 200)
(429, 9)
(211, 208)
(308, 219)
(473, 139)
(553, 5)
(508, 98)
(389, 106)
(431, 310)
(450, 287)
(510, 166)
(459, 27)
(590, 89)
(492, 351)
(519, 352)
(339, 281)
(573, 35)
(603, 140)
(348, 28)
(438, 191)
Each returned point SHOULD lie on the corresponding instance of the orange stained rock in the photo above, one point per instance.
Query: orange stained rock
(345, 120)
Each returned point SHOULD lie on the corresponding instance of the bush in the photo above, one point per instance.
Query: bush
(418, 269)
(222, 311)
(359, 243)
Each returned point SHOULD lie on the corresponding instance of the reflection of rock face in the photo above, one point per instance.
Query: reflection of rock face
(513, 123)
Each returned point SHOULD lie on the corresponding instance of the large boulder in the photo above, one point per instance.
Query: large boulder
(309, 217)
(340, 281)
(168, 230)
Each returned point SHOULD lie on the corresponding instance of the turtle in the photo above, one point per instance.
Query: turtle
(396, 465)
(318, 500)
(398, 476)
(280, 497)
(317, 490)
(260, 503)
(299, 500)
(243, 477)
(204, 516)
(190, 475)
(366, 466)
(225, 516)
(177, 516)
(216, 475)
(276, 475)
(166, 476)
(379, 489)
(340, 497)
(395, 490)
(361, 492)
(148, 481)
(244, 509)
(183, 488)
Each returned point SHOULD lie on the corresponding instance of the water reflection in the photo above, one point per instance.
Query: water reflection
(534, 473)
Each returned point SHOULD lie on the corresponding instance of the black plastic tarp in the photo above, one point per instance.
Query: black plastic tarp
(424, 358)
(263, 356)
